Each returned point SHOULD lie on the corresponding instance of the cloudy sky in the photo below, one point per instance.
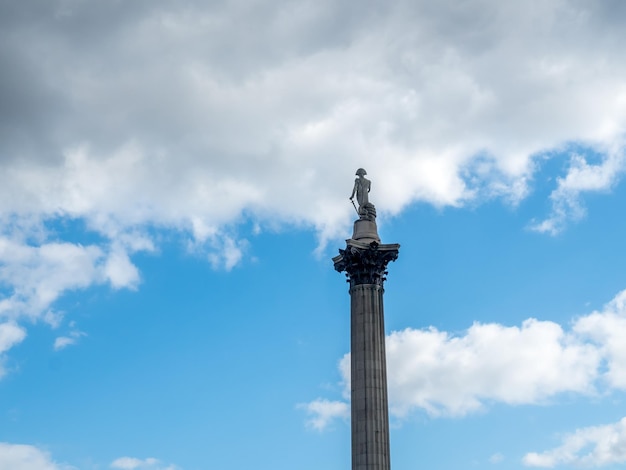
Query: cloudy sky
(174, 179)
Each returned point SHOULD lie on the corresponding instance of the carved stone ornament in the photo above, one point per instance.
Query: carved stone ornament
(365, 263)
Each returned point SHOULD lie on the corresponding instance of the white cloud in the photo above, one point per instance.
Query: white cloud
(120, 271)
(442, 104)
(10, 335)
(25, 457)
(194, 139)
(607, 330)
(581, 177)
(593, 446)
(226, 252)
(61, 342)
(445, 374)
(34, 276)
(37, 275)
(132, 463)
(322, 412)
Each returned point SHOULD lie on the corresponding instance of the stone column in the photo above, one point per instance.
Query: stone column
(365, 261)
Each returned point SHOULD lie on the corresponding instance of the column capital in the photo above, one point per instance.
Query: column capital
(365, 263)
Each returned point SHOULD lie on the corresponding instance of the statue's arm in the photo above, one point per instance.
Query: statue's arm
(356, 183)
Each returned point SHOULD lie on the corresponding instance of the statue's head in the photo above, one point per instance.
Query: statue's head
(361, 172)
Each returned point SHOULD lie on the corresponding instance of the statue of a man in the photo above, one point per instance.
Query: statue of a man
(361, 188)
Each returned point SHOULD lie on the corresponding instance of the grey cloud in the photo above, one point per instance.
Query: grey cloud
(193, 116)
(286, 96)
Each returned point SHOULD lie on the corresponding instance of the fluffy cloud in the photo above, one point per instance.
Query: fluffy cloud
(444, 374)
(152, 126)
(440, 103)
(440, 373)
(10, 335)
(607, 330)
(36, 275)
(322, 412)
(454, 375)
(581, 177)
(25, 457)
(593, 446)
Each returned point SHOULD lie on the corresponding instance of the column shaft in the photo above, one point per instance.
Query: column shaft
(365, 263)
(370, 421)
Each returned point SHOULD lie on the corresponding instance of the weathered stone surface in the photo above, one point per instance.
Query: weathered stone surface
(366, 231)
(364, 262)
(361, 189)
(370, 420)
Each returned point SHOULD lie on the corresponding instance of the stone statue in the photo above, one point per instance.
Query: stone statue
(362, 188)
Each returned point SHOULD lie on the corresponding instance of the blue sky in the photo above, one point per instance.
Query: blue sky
(174, 181)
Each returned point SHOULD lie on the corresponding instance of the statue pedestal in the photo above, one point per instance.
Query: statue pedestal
(365, 231)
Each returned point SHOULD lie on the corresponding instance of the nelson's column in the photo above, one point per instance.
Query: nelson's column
(365, 262)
